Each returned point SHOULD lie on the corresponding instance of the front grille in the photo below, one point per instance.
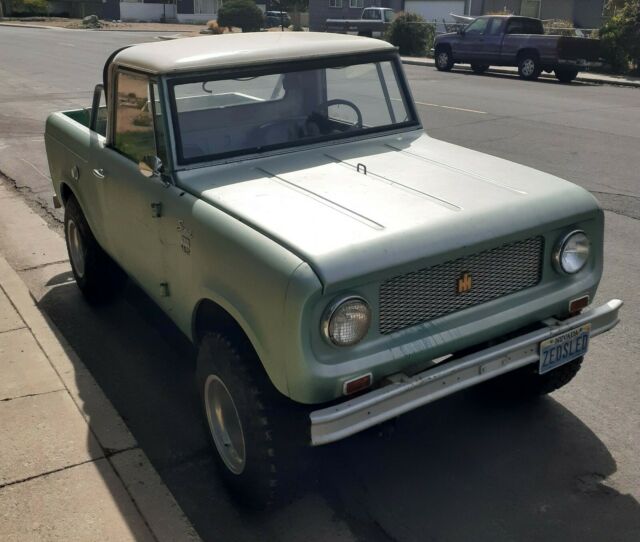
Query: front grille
(430, 293)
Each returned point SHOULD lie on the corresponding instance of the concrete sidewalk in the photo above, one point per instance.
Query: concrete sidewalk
(69, 467)
(584, 77)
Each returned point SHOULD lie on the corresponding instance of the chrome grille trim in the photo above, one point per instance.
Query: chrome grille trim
(426, 294)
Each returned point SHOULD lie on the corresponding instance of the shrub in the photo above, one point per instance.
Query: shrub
(26, 8)
(620, 36)
(412, 34)
(241, 13)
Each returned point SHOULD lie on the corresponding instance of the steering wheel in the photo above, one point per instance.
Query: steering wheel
(340, 101)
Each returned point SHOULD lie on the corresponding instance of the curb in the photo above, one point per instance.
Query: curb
(153, 500)
(596, 79)
(15, 25)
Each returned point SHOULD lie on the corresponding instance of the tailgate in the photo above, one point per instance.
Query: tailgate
(572, 48)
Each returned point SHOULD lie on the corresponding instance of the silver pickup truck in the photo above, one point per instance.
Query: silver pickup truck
(516, 41)
(373, 23)
(275, 194)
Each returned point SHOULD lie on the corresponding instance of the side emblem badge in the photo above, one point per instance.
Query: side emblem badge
(465, 283)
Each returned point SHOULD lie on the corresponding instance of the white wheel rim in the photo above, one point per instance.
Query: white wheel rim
(76, 248)
(528, 66)
(443, 59)
(224, 424)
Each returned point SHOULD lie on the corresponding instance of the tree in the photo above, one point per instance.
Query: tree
(243, 14)
(411, 33)
(620, 35)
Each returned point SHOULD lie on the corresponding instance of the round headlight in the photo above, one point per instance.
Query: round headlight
(347, 322)
(573, 252)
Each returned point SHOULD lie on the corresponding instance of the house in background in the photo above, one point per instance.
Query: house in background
(582, 13)
(186, 11)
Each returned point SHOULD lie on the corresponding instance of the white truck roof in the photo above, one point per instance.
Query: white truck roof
(241, 49)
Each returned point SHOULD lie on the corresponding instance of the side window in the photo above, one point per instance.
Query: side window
(495, 27)
(134, 135)
(477, 27)
(515, 26)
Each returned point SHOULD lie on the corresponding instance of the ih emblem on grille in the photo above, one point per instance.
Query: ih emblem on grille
(464, 283)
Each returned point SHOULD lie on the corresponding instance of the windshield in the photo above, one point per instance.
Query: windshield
(216, 118)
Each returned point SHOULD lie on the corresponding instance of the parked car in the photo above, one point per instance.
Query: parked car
(276, 195)
(276, 18)
(373, 23)
(516, 41)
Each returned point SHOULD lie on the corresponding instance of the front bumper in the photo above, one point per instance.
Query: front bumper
(407, 393)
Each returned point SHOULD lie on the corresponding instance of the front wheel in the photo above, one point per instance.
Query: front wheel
(529, 67)
(526, 383)
(444, 61)
(254, 430)
(479, 68)
(566, 75)
(97, 275)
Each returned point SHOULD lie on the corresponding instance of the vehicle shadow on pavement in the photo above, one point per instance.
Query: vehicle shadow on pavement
(515, 76)
(464, 468)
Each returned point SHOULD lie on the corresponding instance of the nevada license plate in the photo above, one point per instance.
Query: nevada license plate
(563, 348)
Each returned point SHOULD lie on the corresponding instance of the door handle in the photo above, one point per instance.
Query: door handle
(99, 173)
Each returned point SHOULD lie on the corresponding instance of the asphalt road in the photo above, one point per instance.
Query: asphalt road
(465, 468)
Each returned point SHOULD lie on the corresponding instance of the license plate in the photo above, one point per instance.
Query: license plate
(563, 348)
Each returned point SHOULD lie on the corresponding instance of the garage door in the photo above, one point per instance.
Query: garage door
(437, 10)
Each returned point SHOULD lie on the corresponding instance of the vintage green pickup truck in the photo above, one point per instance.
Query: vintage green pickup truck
(276, 195)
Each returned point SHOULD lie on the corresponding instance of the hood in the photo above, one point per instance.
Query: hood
(364, 208)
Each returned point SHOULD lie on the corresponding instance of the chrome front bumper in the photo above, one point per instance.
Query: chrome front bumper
(407, 393)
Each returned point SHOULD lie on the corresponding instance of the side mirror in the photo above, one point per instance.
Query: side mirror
(461, 31)
(150, 166)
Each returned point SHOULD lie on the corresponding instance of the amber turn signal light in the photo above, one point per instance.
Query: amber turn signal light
(357, 384)
(576, 305)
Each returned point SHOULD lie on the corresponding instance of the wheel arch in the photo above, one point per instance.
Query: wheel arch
(66, 192)
(209, 315)
(440, 46)
(528, 50)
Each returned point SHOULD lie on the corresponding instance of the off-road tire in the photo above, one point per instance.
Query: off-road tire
(529, 66)
(566, 75)
(525, 383)
(272, 426)
(479, 68)
(101, 279)
(443, 59)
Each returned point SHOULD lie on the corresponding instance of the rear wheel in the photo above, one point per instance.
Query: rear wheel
(444, 61)
(256, 433)
(97, 275)
(529, 66)
(479, 68)
(566, 75)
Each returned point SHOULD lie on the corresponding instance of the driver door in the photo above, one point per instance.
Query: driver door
(471, 44)
(133, 201)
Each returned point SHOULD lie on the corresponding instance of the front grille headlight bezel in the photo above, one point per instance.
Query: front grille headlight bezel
(572, 253)
(338, 309)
